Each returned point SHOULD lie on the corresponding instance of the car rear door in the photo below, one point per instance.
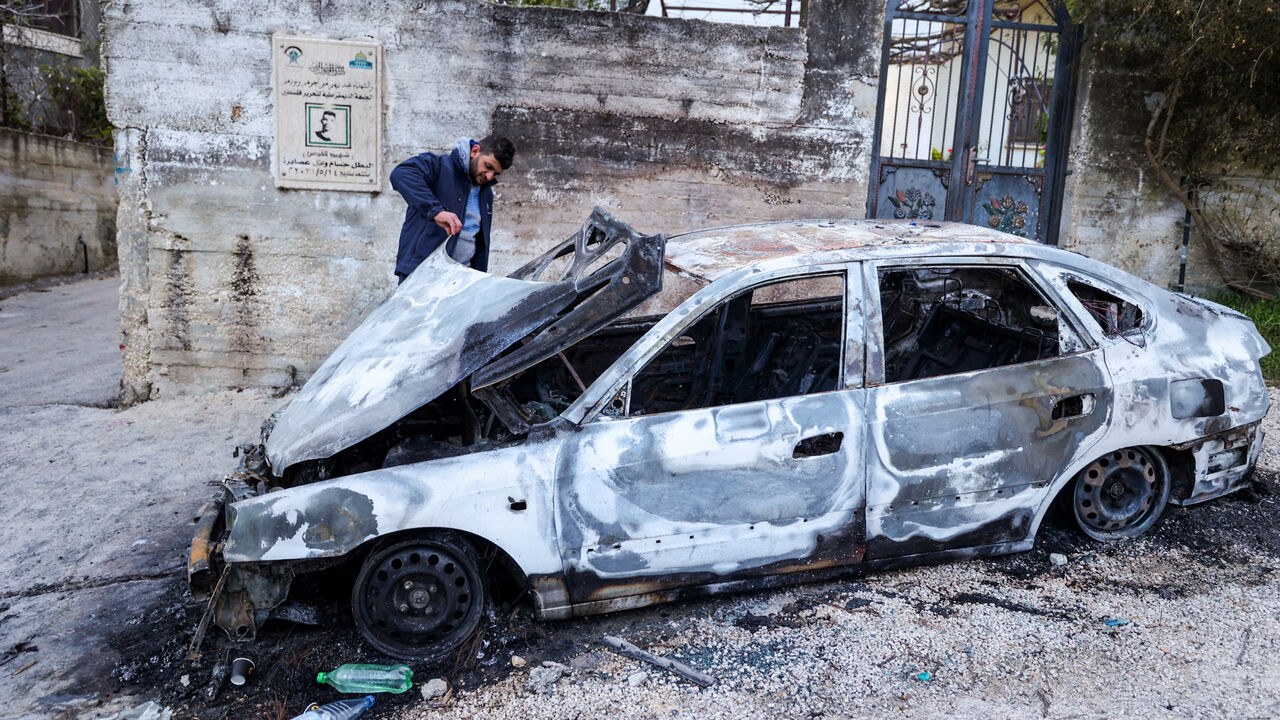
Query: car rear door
(697, 482)
(980, 394)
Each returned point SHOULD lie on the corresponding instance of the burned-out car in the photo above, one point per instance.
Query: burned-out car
(800, 399)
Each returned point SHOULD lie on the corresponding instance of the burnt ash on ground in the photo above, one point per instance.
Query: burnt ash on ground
(1237, 537)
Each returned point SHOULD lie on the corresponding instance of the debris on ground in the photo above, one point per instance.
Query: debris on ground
(434, 689)
(25, 646)
(1115, 622)
(299, 613)
(588, 661)
(517, 661)
(754, 622)
(365, 678)
(241, 669)
(636, 679)
(149, 710)
(217, 678)
(622, 646)
(340, 710)
(1057, 559)
(543, 678)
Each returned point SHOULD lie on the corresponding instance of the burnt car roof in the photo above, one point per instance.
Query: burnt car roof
(710, 254)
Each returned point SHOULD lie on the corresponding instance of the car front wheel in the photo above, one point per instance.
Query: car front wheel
(419, 598)
(1121, 494)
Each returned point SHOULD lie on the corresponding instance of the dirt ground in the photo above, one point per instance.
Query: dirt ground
(94, 615)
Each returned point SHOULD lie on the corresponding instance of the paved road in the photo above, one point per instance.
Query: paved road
(61, 345)
(95, 500)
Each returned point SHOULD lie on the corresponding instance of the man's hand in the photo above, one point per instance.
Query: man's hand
(449, 222)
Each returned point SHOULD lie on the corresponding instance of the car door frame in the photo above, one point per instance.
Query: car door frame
(652, 559)
(902, 523)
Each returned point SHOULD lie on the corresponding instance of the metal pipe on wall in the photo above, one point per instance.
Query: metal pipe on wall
(1186, 241)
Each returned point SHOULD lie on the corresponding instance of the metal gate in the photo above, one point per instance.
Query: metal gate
(974, 113)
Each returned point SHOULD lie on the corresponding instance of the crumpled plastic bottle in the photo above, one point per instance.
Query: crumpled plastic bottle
(355, 678)
(340, 710)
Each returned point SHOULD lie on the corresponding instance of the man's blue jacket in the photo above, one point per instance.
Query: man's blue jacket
(432, 183)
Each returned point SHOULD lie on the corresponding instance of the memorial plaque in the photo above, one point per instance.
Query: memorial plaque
(328, 113)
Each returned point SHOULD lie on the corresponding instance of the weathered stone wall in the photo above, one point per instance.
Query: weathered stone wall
(1115, 208)
(53, 193)
(671, 124)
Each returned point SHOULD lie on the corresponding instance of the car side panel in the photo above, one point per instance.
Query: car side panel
(478, 493)
(966, 460)
(703, 496)
(1183, 340)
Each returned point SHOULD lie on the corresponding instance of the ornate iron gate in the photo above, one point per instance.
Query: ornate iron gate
(974, 113)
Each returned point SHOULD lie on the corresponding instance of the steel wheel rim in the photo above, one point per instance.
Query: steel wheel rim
(417, 598)
(1118, 492)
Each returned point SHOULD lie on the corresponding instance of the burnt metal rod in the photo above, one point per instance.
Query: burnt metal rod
(572, 372)
(193, 652)
(1186, 240)
(623, 647)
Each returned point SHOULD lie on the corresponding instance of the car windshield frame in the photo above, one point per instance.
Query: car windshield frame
(592, 402)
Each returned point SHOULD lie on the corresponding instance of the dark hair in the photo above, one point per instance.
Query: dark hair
(500, 148)
(328, 112)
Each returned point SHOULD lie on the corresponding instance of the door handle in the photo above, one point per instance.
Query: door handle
(971, 165)
(824, 444)
(1074, 406)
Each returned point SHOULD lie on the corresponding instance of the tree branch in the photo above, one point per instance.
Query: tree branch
(1156, 159)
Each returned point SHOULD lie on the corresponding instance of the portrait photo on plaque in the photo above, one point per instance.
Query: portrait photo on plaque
(328, 125)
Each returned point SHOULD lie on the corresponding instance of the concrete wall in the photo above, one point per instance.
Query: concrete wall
(52, 192)
(1115, 208)
(672, 124)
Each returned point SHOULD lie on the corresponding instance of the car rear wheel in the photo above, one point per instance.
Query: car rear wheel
(1121, 494)
(419, 598)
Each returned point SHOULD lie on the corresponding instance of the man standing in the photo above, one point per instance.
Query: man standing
(450, 199)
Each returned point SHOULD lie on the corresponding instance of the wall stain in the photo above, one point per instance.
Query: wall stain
(245, 334)
(178, 293)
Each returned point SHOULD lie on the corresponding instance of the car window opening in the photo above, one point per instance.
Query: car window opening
(772, 341)
(943, 320)
(1114, 315)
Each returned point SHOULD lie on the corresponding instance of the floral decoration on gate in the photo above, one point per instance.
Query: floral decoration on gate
(1007, 215)
(912, 204)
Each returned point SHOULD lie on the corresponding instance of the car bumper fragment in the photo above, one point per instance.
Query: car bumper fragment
(1222, 462)
(200, 558)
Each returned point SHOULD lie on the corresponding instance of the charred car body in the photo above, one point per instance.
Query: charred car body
(829, 396)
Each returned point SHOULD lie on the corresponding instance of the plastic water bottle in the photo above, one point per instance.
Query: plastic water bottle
(353, 678)
(341, 710)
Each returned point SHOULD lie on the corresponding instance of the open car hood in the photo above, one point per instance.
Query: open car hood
(447, 322)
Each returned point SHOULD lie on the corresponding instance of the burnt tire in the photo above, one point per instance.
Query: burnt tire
(1121, 494)
(419, 598)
